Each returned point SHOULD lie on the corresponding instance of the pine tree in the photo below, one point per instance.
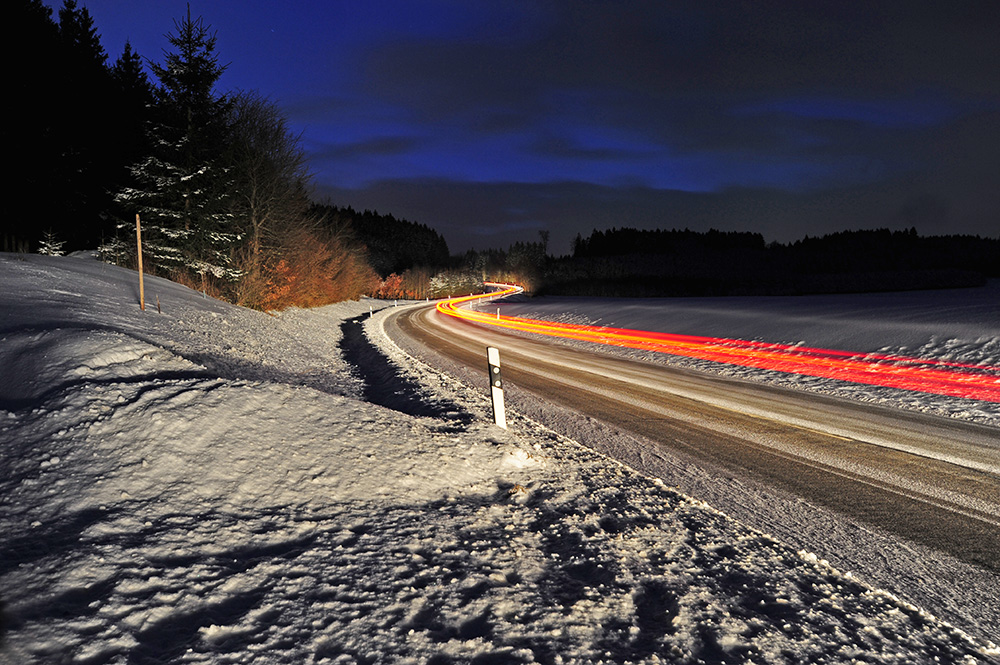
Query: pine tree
(135, 102)
(180, 189)
(58, 131)
(89, 165)
(131, 78)
(76, 29)
(132, 117)
(50, 244)
(27, 132)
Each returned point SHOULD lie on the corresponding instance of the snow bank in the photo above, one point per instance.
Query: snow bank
(203, 485)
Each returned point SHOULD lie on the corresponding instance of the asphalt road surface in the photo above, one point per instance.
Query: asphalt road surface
(930, 480)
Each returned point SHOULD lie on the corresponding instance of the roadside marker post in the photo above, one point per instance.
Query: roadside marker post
(138, 242)
(496, 386)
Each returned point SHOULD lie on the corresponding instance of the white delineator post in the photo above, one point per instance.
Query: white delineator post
(496, 386)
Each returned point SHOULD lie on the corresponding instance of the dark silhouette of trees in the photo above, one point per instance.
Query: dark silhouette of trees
(393, 245)
(67, 131)
(631, 262)
(625, 241)
(219, 182)
(135, 104)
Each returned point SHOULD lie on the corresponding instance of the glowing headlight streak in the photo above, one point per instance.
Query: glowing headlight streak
(971, 381)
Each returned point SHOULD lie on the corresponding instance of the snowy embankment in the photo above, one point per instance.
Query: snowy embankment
(205, 485)
(958, 325)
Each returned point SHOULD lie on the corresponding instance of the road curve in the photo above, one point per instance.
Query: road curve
(930, 480)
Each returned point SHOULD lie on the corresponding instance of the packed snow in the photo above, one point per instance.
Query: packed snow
(199, 483)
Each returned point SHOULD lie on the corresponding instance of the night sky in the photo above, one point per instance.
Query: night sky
(492, 121)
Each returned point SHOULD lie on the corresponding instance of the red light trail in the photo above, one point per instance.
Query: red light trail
(979, 382)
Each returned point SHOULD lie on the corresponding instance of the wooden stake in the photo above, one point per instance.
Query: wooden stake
(138, 242)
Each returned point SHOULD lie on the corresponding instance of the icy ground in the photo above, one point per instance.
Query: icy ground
(206, 484)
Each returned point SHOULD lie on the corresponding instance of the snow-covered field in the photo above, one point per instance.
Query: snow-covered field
(959, 325)
(205, 485)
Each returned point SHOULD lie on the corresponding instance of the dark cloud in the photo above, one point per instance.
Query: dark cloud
(565, 148)
(828, 90)
(784, 117)
(953, 190)
(380, 146)
(492, 120)
(750, 48)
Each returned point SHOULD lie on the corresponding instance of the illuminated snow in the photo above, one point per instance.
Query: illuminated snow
(205, 485)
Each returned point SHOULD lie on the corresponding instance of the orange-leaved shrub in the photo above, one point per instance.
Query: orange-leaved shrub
(309, 268)
(390, 287)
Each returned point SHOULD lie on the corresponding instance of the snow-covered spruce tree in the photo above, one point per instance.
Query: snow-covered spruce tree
(50, 245)
(181, 189)
(135, 95)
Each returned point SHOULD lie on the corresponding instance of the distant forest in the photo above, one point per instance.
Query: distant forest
(631, 262)
(393, 245)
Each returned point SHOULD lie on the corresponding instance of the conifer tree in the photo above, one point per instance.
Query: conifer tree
(27, 132)
(89, 163)
(77, 31)
(135, 95)
(131, 78)
(180, 189)
(59, 130)
(50, 245)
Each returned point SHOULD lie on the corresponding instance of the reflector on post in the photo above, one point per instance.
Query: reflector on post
(496, 386)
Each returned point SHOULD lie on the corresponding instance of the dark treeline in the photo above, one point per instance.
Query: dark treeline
(523, 262)
(621, 242)
(74, 126)
(630, 262)
(393, 245)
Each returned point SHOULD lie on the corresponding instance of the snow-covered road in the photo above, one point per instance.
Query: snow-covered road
(207, 485)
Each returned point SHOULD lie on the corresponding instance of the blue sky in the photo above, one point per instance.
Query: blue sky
(492, 121)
